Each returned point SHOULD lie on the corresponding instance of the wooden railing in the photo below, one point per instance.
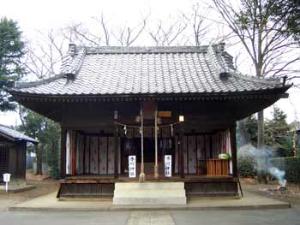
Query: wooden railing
(214, 167)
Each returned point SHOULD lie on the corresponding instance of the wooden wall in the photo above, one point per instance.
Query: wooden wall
(94, 152)
(4, 160)
(199, 147)
(17, 160)
(205, 134)
(13, 159)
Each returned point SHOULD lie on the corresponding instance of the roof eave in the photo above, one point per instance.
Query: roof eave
(278, 91)
(14, 139)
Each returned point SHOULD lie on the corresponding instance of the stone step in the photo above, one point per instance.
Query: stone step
(149, 193)
(150, 185)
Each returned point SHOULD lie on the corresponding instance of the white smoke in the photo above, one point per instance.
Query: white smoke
(279, 175)
(262, 161)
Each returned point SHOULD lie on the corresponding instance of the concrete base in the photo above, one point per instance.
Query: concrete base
(149, 193)
(49, 202)
(16, 188)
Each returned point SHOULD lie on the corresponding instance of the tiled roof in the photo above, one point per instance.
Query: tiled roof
(147, 70)
(15, 135)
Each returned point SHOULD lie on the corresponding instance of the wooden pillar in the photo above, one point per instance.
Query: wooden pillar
(63, 152)
(181, 168)
(74, 152)
(156, 175)
(233, 149)
(116, 148)
(68, 155)
(142, 173)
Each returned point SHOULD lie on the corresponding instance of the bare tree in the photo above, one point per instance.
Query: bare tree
(43, 60)
(167, 35)
(197, 21)
(189, 28)
(106, 35)
(79, 34)
(271, 53)
(105, 30)
(126, 35)
(162, 34)
(44, 57)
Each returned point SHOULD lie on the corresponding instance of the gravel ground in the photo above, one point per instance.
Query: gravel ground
(291, 194)
(42, 187)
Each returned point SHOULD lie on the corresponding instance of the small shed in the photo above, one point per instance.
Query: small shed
(13, 152)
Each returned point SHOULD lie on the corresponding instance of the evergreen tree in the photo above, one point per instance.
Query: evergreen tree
(48, 134)
(288, 12)
(247, 131)
(277, 128)
(277, 132)
(11, 52)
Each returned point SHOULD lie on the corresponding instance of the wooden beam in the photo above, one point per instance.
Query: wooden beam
(63, 152)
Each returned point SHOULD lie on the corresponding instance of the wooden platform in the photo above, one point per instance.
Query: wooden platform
(111, 179)
(103, 186)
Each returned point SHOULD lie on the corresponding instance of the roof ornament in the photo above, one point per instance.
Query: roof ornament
(284, 80)
(73, 62)
(224, 75)
(72, 49)
(218, 62)
(221, 47)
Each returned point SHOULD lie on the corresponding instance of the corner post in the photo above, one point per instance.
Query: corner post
(142, 173)
(156, 175)
(116, 155)
(181, 150)
(63, 152)
(233, 149)
(74, 152)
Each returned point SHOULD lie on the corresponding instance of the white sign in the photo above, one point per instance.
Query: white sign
(168, 165)
(6, 179)
(132, 166)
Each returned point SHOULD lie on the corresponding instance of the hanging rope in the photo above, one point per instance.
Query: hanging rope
(135, 126)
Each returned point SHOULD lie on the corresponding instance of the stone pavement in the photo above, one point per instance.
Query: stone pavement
(150, 218)
(49, 202)
(289, 216)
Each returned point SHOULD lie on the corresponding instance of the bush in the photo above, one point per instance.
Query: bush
(291, 166)
(246, 166)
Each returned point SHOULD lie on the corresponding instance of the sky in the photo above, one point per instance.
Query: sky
(36, 16)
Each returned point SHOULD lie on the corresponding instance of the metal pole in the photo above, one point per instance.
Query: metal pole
(142, 174)
(156, 175)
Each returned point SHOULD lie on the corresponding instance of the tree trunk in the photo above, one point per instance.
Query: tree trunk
(262, 175)
(243, 137)
(260, 129)
(39, 161)
(294, 147)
